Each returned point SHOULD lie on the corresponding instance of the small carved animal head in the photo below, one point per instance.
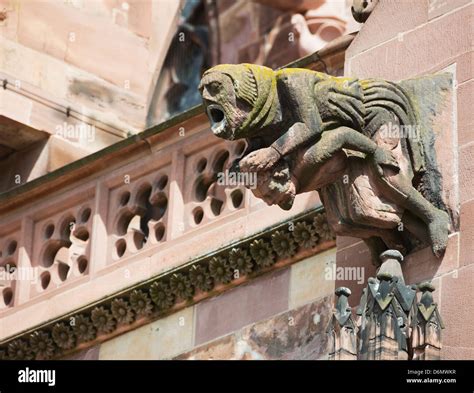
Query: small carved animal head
(361, 9)
(239, 99)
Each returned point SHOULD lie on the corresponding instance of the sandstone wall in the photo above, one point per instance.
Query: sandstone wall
(406, 39)
(282, 315)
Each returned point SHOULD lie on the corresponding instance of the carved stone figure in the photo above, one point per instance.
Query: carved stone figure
(361, 9)
(363, 144)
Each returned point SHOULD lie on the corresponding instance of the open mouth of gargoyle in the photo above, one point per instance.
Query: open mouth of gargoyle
(217, 117)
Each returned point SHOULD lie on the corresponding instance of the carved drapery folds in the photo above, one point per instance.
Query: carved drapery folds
(392, 324)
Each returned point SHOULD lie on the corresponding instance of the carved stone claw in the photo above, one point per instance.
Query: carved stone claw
(260, 160)
(437, 230)
(384, 157)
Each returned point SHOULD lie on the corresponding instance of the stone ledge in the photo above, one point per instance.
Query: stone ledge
(274, 248)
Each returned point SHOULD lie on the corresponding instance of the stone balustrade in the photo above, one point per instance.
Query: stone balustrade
(120, 217)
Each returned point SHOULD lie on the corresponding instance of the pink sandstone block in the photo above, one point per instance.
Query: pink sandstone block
(440, 7)
(346, 241)
(140, 18)
(430, 44)
(456, 353)
(466, 255)
(465, 98)
(88, 42)
(356, 256)
(423, 265)
(466, 170)
(241, 306)
(387, 20)
(86, 354)
(457, 304)
(465, 67)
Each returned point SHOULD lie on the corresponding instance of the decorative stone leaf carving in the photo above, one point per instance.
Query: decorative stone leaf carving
(141, 303)
(41, 345)
(241, 261)
(102, 319)
(63, 336)
(83, 328)
(262, 253)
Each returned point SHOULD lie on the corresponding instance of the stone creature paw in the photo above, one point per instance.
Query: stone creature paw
(383, 157)
(438, 233)
(260, 160)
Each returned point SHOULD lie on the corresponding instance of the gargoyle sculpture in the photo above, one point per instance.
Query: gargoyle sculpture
(307, 131)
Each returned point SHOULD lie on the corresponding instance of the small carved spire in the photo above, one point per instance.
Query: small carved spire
(426, 326)
(384, 312)
(391, 324)
(342, 329)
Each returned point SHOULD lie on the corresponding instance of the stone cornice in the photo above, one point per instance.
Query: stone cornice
(274, 248)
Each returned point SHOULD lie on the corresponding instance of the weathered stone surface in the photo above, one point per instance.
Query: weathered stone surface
(457, 304)
(465, 98)
(356, 257)
(296, 334)
(309, 280)
(342, 329)
(430, 44)
(87, 354)
(241, 306)
(466, 249)
(466, 169)
(222, 348)
(392, 321)
(423, 265)
(162, 339)
(440, 7)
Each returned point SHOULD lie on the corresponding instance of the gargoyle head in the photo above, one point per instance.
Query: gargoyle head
(361, 9)
(239, 99)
